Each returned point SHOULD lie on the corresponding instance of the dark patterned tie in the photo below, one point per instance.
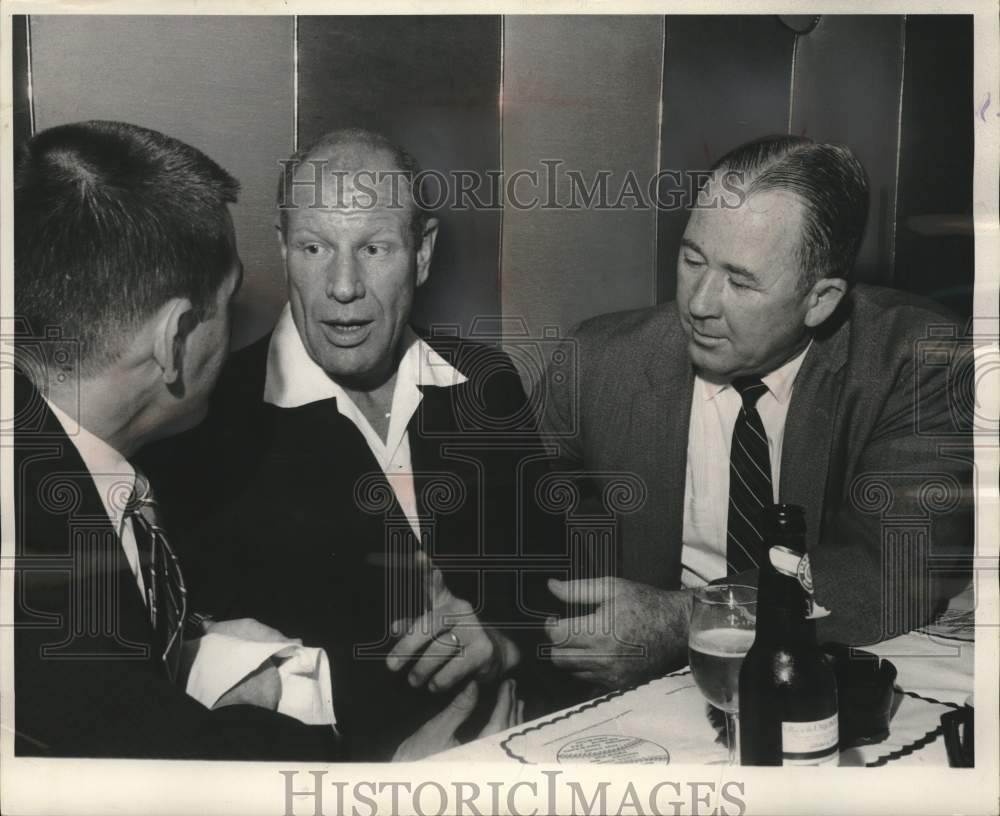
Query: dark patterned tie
(750, 488)
(166, 595)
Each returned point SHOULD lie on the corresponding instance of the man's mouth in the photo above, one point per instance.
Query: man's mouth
(704, 338)
(346, 333)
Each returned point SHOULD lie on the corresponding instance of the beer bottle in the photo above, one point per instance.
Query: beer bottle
(788, 690)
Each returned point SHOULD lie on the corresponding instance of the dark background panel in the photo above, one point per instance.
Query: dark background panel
(846, 89)
(223, 84)
(726, 80)
(19, 58)
(584, 91)
(934, 232)
(432, 84)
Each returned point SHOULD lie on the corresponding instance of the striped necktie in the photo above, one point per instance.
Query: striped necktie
(166, 595)
(750, 487)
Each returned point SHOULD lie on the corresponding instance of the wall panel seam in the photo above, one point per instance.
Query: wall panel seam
(295, 82)
(899, 147)
(655, 289)
(791, 82)
(31, 87)
(500, 291)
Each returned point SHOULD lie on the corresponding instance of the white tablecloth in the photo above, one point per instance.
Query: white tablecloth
(665, 720)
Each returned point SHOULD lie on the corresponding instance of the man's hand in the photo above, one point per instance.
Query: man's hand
(635, 633)
(438, 733)
(448, 643)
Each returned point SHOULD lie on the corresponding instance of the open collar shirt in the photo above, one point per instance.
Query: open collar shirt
(293, 378)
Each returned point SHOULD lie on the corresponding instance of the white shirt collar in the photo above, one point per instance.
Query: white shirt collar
(110, 471)
(294, 378)
(779, 382)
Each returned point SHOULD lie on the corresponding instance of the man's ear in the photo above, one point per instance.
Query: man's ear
(823, 299)
(174, 321)
(426, 250)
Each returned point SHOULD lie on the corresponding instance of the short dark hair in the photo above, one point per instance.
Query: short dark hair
(831, 183)
(111, 220)
(402, 161)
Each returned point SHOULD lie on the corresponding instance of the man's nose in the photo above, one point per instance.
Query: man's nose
(704, 302)
(344, 280)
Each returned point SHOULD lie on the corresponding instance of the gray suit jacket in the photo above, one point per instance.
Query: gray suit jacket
(877, 449)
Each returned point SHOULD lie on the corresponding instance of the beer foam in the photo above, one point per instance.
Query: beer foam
(723, 642)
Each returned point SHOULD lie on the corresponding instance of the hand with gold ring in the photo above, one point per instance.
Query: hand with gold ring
(448, 643)
(453, 639)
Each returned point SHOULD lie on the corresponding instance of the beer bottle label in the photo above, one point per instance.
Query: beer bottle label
(809, 743)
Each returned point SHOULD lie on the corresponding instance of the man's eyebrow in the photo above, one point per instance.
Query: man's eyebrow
(733, 269)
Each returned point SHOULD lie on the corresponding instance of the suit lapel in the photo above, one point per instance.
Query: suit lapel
(805, 456)
(64, 522)
(661, 412)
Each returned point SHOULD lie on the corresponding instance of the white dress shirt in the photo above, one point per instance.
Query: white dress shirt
(714, 409)
(222, 660)
(294, 378)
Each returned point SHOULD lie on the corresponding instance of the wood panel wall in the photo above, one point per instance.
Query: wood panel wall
(618, 94)
(582, 91)
(432, 85)
(223, 84)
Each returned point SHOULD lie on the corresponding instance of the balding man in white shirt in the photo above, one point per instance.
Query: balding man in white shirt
(362, 480)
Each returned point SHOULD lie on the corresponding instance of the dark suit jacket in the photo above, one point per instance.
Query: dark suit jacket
(289, 519)
(87, 682)
(873, 449)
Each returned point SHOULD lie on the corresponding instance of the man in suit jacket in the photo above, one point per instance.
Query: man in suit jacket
(89, 672)
(850, 385)
(126, 265)
(343, 444)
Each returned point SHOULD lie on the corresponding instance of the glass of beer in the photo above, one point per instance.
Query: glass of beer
(721, 633)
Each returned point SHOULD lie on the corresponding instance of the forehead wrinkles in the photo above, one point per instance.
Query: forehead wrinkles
(353, 220)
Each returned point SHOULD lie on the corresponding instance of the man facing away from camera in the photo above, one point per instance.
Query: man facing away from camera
(125, 265)
(344, 453)
(772, 377)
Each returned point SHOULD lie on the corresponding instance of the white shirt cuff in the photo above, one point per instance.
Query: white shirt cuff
(306, 691)
(223, 661)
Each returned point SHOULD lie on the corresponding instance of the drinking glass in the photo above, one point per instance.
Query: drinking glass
(721, 633)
